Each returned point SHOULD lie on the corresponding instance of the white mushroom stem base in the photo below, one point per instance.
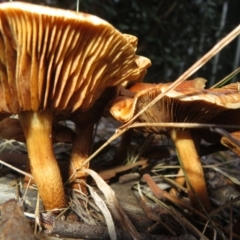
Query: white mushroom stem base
(193, 168)
(37, 127)
(81, 148)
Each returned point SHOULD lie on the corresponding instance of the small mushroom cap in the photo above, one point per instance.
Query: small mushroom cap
(59, 59)
(186, 103)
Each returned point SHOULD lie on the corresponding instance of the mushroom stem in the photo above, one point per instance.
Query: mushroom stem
(81, 148)
(37, 127)
(193, 168)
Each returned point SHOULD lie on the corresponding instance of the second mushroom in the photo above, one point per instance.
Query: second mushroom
(189, 102)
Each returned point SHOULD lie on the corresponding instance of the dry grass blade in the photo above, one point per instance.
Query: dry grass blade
(151, 214)
(215, 211)
(16, 169)
(81, 209)
(112, 138)
(120, 131)
(159, 193)
(113, 204)
(37, 224)
(226, 79)
(106, 213)
(184, 221)
(218, 47)
(177, 215)
(185, 125)
(233, 179)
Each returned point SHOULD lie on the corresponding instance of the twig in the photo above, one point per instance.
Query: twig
(213, 127)
(82, 230)
(117, 134)
(16, 169)
(228, 77)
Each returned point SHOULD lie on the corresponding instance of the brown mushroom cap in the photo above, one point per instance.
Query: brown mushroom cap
(52, 58)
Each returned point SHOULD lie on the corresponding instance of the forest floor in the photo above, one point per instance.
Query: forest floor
(154, 217)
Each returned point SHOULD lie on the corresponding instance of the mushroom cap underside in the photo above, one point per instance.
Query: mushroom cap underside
(185, 106)
(59, 59)
(94, 113)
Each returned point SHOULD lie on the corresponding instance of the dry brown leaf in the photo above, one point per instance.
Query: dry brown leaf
(114, 205)
(106, 213)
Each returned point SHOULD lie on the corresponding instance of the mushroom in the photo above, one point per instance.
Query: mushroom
(188, 103)
(52, 62)
(85, 122)
(82, 143)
